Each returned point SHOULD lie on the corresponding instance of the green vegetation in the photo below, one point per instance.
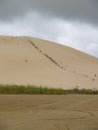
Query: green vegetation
(21, 89)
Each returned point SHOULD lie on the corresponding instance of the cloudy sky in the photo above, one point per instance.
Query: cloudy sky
(70, 22)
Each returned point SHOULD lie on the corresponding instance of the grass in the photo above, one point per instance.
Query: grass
(20, 89)
(34, 90)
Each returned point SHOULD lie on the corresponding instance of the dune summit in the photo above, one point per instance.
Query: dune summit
(28, 60)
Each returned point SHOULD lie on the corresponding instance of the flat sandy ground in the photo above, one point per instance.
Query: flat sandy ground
(40, 112)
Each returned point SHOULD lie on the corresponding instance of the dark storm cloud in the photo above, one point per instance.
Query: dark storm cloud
(81, 10)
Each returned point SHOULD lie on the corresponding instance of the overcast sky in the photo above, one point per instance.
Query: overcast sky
(70, 22)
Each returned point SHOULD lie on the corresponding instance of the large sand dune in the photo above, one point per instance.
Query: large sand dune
(27, 60)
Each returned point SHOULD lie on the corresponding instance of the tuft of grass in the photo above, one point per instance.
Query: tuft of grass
(34, 90)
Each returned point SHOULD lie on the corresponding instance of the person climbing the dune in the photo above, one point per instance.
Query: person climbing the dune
(94, 91)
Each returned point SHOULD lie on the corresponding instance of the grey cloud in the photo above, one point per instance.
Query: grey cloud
(81, 10)
(10, 9)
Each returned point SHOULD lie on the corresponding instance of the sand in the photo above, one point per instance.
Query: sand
(28, 60)
(36, 112)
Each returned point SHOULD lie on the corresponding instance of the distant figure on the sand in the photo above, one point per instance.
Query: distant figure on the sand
(94, 91)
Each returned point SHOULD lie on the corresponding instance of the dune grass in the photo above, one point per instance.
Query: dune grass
(34, 90)
(20, 89)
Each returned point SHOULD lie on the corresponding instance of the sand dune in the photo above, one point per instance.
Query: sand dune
(27, 60)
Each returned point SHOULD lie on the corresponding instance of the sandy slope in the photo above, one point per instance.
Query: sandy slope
(27, 60)
(69, 112)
